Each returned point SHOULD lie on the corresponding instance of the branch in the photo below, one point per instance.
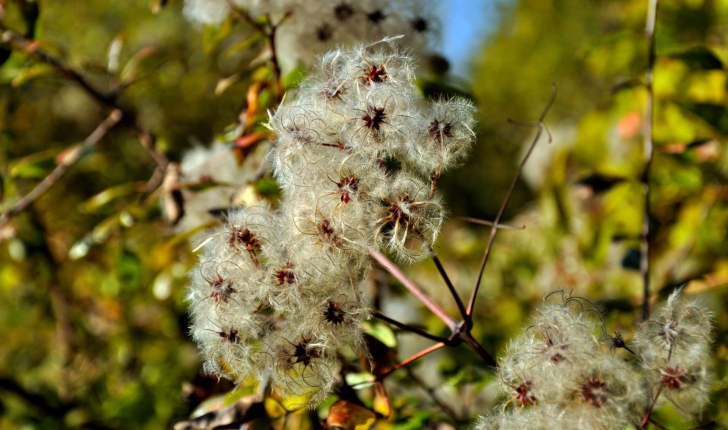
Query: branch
(32, 47)
(274, 55)
(411, 359)
(408, 328)
(450, 286)
(496, 225)
(108, 100)
(490, 223)
(652, 405)
(466, 337)
(413, 288)
(74, 154)
(647, 148)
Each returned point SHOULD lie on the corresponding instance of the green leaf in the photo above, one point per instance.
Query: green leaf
(268, 188)
(109, 195)
(699, 57)
(33, 72)
(294, 77)
(213, 35)
(33, 166)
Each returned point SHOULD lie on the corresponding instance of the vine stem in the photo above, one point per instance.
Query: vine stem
(449, 284)
(495, 227)
(408, 327)
(413, 288)
(269, 32)
(647, 146)
(411, 359)
(646, 418)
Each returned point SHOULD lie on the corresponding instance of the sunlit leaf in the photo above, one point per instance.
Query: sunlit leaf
(109, 195)
(131, 69)
(349, 416)
(35, 71)
(33, 166)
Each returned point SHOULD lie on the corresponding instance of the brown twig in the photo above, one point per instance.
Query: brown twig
(490, 223)
(408, 327)
(449, 284)
(509, 193)
(274, 55)
(32, 47)
(647, 146)
(659, 426)
(411, 359)
(73, 155)
(243, 15)
(108, 100)
(413, 288)
(646, 418)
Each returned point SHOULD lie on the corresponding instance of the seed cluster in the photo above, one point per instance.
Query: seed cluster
(563, 373)
(279, 289)
(312, 27)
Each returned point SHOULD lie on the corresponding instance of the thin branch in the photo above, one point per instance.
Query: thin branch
(658, 425)
(490, 223)
(108, 100)
(652, 405)
(412, 359)
(494, 230)
(32, 47)
(70, 159)
(243, 15)
(449, 284)
(274, 54)
(647, 145)
(433, 395)
(413, 288)
(407, 327)
(466, 337)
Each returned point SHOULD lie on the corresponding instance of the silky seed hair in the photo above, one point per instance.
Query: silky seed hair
(310, 28)
(276, 294)
(561, 372)
(674, 349)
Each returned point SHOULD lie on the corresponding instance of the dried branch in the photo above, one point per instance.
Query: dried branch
(411, 359)
(72, 156)
(449, 284)
(494, 229)
(490, 223)
(408, 328)
(413, 288)
(108, 100)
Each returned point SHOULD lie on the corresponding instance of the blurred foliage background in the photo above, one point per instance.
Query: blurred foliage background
(93, 323)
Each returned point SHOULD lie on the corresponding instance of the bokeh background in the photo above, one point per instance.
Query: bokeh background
(93, 319)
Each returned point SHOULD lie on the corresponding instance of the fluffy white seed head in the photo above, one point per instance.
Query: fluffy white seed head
(309, 28)
(674, 351)
(276, 292)
(560, 373)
